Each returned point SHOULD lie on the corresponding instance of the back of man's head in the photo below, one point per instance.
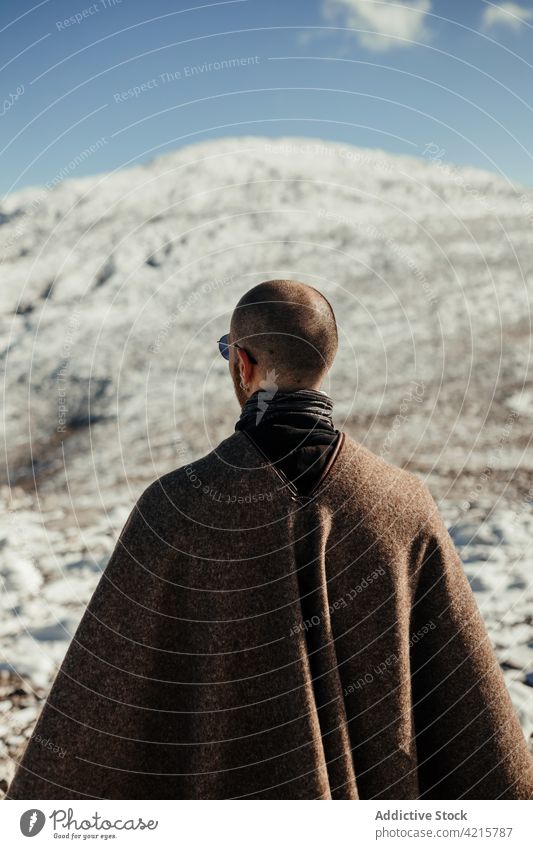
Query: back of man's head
(290, 328)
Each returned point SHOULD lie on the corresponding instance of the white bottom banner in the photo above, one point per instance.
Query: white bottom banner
(264, 824)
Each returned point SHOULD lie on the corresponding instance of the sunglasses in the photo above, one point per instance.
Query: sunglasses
(224, 346)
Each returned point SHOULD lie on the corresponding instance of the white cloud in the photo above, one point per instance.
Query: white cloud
(507, 14)
(401, 20)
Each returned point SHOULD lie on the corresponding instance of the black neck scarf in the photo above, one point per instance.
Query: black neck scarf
(267, 405)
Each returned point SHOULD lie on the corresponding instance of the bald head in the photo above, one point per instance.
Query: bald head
(289, 327)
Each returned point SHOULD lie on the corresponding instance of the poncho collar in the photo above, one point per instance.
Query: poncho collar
(268, 404)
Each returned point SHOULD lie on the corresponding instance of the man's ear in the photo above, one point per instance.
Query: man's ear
(245, 366)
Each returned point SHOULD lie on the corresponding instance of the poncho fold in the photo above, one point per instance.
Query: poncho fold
(246, 641)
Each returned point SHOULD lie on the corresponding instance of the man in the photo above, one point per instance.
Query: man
(285, 618)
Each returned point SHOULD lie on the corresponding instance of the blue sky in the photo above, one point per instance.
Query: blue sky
(123, 79)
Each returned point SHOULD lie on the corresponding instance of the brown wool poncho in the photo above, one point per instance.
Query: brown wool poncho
(248, 642)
